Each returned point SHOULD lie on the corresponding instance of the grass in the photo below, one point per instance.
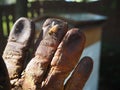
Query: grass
(4, 24)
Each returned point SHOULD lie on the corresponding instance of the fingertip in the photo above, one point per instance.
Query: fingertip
(85, 66)
(22, 30)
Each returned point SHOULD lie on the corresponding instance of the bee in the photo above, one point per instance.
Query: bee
(54, 29)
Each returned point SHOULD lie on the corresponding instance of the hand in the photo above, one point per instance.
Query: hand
(57, 52)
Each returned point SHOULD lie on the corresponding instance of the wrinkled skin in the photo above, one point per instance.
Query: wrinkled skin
(55, 54)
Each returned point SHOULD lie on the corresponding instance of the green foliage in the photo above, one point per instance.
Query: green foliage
(7, 2)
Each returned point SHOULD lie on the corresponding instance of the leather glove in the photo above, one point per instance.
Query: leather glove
(56, 56)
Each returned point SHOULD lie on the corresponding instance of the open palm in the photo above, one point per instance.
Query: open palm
(55, 55)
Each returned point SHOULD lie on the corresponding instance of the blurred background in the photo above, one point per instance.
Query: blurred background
(109, 71)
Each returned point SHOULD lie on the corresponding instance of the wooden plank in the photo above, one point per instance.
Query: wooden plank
(62, 6)
(93, 34)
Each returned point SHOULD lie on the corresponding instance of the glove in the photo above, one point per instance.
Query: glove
(55, 56)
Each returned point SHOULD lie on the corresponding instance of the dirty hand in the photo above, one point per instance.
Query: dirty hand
(56, 53)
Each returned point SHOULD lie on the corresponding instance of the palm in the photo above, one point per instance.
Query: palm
(57, 52)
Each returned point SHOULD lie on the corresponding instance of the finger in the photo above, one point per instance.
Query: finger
(37, 67)
(43, 32)
(19, 40)
(4, 77)
(80, 75)
(65, 59)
